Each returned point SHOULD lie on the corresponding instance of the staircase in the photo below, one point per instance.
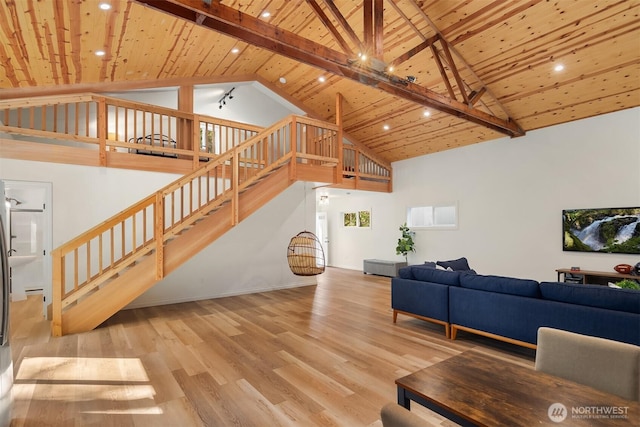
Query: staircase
(104, 269)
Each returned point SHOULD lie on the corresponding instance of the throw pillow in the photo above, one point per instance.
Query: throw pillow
(459, 264)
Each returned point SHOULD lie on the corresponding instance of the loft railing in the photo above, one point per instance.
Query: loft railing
(90, 260)
(105, 124)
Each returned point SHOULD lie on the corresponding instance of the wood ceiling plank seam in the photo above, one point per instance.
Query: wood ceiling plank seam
(481, 15)
(19, 49)
(559, 32)
(541, 54)
(53, 64)
(118, 54)
(596, 110)
(31, 11)
(16, 34)
(75, 42)
(571, 49)
(589, 90)
(107, 45)
(61, 40)
(10, 74)
(169, 65)
(579, 78)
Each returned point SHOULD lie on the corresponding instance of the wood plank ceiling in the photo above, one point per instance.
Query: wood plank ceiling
(497, 58)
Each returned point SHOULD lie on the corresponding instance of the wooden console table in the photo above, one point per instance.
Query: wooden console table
(475, 389)
(595, 277)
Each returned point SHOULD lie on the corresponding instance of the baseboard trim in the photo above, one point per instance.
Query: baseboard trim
(456, 328)
(159, 302)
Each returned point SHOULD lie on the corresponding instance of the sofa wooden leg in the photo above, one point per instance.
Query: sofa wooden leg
(395, 316)
(447, 330)
(453, 332)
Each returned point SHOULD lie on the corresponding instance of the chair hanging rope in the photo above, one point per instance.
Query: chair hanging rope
(305, 255)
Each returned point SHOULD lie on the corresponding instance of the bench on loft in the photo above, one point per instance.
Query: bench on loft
(155, 140)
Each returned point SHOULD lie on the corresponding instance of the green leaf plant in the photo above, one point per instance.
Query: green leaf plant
(405, 243)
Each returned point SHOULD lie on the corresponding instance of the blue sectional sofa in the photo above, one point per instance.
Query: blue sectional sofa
(511, 309)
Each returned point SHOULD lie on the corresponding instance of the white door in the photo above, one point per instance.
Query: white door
(323, 234)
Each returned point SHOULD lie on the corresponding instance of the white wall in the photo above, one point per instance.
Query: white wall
(510, 194)
(250, 258)
(252, 102)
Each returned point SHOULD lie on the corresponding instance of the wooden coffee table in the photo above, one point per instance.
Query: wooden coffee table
(473, 389)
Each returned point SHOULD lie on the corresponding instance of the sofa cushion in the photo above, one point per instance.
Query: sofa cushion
(455, 264)
(429, 264)
(432, 275)
(592, 295)
(405, 272)
(503, 285)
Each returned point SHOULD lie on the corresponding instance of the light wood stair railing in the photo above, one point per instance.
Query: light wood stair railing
(101, 271)
(98, 130)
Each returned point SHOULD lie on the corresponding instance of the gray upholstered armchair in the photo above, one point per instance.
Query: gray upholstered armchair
(610, 366)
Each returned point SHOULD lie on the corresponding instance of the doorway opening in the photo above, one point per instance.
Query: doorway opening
(30, 229)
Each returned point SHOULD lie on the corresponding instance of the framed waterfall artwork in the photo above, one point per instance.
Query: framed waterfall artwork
(604, 230)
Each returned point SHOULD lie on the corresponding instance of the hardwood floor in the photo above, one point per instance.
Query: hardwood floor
(324, 355)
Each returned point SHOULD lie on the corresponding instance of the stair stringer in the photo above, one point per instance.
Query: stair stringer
(130, 284)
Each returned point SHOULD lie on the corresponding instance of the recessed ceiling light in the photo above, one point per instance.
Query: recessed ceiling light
(282, 80)
(390, 69)
(235, 50)
(386, 127)
(265, 14)
(321, 79)
(426, 113)
(100, 52)
(104, 6)
(558, 68)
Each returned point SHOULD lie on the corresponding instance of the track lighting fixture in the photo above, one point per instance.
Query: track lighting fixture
(228, 95)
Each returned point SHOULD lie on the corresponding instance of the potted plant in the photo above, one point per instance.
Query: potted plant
(405, 243)
(628, 284)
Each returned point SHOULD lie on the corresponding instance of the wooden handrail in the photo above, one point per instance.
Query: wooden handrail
(87, 262)
(185, 202)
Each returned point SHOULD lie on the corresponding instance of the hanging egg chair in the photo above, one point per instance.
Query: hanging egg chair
(305, 255)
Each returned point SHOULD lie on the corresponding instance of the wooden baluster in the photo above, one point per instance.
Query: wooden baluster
(159, 234)
(102, 131)
(58, 292)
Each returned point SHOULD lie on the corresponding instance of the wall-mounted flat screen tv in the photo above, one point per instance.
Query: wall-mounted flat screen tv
(610, 230)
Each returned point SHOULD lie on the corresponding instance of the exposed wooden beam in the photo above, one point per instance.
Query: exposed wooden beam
(454, 70)
(414, 51)
(435, 28)
(475, 96)
(344, 23)
(443, 72)
(367, 18)
(252, 30)
(378, 30)
(329, 26)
